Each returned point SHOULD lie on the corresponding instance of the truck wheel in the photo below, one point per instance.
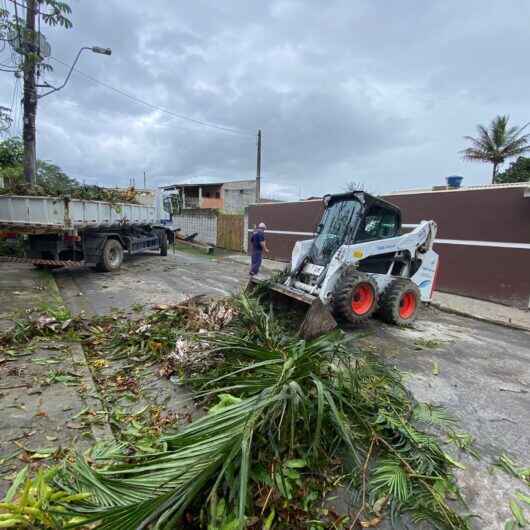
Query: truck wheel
(162, 236)
(111, 257)
(356, 296)
(400, 302)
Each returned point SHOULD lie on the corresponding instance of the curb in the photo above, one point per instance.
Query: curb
(488, 320)
(92, 399)
(101, 432)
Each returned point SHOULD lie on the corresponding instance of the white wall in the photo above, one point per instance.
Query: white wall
(205, 224)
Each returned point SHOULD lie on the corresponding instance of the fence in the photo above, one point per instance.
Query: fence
(483, 236)
(230, 232)
(200, 222)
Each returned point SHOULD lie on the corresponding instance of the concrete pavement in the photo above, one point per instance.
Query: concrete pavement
(46, 390)
(483, 310)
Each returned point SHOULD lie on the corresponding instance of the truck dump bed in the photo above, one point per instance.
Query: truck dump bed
(53, 214)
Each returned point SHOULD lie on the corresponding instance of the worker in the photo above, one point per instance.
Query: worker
(257, 245)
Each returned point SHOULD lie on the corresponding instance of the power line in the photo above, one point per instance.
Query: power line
(156, 107)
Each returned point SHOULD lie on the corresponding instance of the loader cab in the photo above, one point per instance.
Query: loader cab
(353, 218)
(381, 220)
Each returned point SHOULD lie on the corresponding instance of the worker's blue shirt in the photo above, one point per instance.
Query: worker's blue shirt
(256, 239)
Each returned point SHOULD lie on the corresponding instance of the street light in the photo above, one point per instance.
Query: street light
(94, 49)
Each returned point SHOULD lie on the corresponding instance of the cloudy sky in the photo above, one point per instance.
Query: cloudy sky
(371, 91)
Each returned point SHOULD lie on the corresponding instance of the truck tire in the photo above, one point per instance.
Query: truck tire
(162, 236)
(111, 256)
(355, 297)
(400, 302)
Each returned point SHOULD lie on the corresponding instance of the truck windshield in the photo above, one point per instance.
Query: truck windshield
(336, 225)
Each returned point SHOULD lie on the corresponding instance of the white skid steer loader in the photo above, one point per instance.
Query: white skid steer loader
(359, 263)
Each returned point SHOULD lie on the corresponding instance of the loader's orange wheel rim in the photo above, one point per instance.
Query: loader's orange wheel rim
(362, 299)
(407, 305)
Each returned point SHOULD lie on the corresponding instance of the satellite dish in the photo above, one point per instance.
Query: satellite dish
(24, 45)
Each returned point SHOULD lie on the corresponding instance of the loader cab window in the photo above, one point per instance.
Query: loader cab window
(379, 223)
(334, 230)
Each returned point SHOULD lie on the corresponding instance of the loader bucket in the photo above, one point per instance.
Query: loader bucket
(318, 319)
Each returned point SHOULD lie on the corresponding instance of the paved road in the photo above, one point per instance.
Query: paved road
(150, 279)
(479, 371)
(483, 378)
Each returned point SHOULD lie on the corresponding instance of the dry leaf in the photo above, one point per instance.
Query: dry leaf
(371, 523)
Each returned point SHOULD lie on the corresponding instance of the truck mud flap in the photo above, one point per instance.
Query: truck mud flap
(52, 263)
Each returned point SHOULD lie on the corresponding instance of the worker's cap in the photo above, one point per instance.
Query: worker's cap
(262, 225)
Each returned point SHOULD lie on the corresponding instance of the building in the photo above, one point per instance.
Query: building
(230, 197)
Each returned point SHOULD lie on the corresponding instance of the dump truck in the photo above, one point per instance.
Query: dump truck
(66, 232)
(360, 263)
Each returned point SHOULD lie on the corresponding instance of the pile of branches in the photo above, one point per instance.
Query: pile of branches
(290, 420)
(171, 334)
(73, 191)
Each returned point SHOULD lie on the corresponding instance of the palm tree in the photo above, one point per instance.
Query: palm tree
(496, 144)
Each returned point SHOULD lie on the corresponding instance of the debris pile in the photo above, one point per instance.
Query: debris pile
(289, 422)
(89, 193)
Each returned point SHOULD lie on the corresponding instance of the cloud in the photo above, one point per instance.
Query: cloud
(366, 91)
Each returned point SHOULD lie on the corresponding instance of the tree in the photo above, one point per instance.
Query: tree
(53, 178)
(50, 176)
(354, 185)
(497, 143)
(11, 160)
(11, 152)
(27, 43)
(519, 171)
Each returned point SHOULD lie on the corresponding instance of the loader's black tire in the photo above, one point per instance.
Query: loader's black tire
(111, 257)
(355, 297)
(162, 236)
(400, 302)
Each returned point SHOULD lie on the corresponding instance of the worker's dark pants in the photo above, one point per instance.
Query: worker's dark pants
(255, 262)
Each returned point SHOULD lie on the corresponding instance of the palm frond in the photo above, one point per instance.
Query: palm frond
(316, 402)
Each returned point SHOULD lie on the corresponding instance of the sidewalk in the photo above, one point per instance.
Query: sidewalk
(483, 310)
(470, 307)
(46, 391)
(268, 264)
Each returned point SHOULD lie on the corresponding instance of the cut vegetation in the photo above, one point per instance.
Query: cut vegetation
(288, 423)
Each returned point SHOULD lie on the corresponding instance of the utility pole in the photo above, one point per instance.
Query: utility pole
(145, 181)
(258, 169)
(30, 94)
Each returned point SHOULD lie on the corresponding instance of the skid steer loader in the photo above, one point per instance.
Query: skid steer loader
(359, 264)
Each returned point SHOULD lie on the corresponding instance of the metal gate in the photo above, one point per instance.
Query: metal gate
(230, 232)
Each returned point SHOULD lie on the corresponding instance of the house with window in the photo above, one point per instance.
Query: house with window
(230, 197)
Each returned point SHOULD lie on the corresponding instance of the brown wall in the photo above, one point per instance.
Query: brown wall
(285, 216)
(490, 214)
(496, 214)
(496, 274)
